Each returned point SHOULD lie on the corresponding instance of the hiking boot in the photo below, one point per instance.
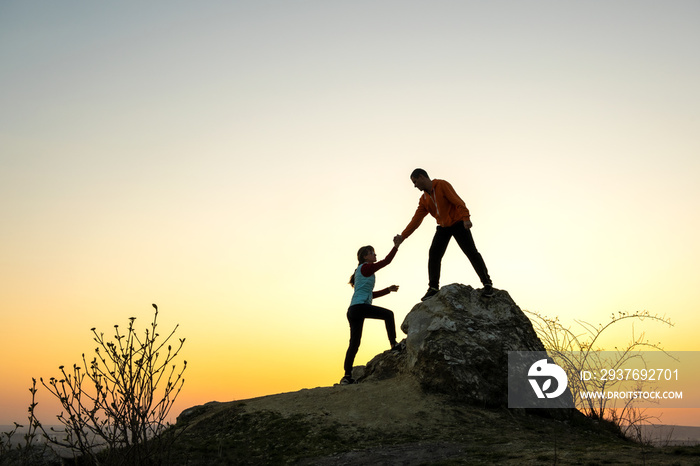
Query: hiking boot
(347, 380)
(488, 292)
(430, 293)
(398, 347)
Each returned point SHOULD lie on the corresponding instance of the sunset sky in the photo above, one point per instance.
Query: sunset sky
(226, 160)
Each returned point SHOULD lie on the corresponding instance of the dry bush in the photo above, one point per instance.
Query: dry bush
(116, 405)
(580, 350)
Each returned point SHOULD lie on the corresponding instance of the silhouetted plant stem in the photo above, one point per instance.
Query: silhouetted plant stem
(579, 351)
(115, 407)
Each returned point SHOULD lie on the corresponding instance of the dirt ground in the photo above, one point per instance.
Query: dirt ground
(394, 422)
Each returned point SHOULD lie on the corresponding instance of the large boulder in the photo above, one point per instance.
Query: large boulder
(457, 343)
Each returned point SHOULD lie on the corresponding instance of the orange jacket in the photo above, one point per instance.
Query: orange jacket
(443, 203)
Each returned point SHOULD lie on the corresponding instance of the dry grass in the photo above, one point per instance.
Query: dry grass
(394, 422)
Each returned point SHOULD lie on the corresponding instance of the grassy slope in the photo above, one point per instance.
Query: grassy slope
(394, 421)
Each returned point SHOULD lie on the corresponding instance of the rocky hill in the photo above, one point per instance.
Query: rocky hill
(443, 399)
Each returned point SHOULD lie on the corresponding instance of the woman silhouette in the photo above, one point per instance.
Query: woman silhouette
(361, 308)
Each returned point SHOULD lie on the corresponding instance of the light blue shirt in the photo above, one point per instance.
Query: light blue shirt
(363, 288)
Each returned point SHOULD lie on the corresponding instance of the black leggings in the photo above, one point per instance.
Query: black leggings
(356, 317)
(465, 241)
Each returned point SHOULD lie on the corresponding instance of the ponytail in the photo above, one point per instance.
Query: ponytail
(361, 253)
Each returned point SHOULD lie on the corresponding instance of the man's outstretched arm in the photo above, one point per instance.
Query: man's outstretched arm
(415, 222)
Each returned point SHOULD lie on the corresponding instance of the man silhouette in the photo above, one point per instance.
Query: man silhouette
(440, 200)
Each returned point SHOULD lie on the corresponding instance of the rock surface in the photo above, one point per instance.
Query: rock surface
(390, 422)
(457, 343)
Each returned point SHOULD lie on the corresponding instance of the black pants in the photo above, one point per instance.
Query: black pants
(356, 317)
(464, 239)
